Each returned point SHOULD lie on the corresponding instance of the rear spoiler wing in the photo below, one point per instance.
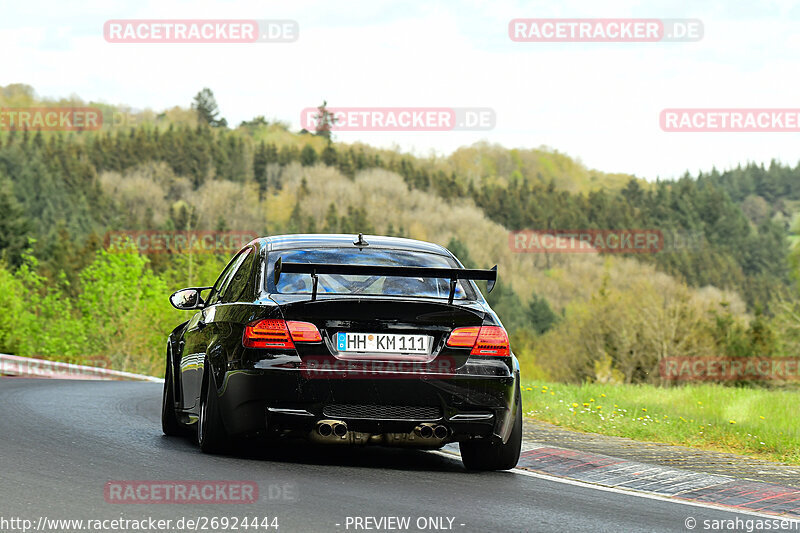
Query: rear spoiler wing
(453, 274)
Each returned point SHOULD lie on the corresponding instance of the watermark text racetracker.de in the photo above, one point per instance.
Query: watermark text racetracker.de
(566, 241)
(181, 492)
(729, 368)
(325, 367)
(742, 120)
(148, 523)
(148, 242)
(605, 30)
(92, 367)
(200, 31)
(62, 118)
(66, 118)
(400, 119)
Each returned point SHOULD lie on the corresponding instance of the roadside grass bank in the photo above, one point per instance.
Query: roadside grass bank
(758, 422)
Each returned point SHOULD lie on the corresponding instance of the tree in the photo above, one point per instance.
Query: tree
(345, 163)
(260, 160)
(205, 105)
(308, 156)
(356, 221)
(540, 315)
(303, 190)
(295, 223)
(324, 121)
(506, 304)
(331, 219)
(222, 224)
(183, 216)
(257, 121)
(460, 251)
(14, 226)
(328, 156)
(288, 154)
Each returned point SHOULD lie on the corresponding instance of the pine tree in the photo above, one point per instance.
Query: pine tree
(332, 224)
(328, 156)
(308, 156)
(540, 315)
(260, 167)
(324, 121)
(15, 228)
(205, 105)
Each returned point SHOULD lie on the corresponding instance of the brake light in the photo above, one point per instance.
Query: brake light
(484, 340)
(463, 337)
(492, 340)
(275, 333)
(267, 334)
(304, 331)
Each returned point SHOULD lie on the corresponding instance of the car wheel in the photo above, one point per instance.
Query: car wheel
(211, 434)
(482, 454)
(169, 420)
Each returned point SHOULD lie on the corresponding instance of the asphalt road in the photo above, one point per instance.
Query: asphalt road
(62, 441)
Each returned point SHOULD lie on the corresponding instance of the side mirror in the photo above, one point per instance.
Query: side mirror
(187, 299)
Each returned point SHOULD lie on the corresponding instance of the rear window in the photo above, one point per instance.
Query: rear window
(366, 285)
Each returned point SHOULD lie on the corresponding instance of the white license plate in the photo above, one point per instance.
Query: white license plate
(382, 343)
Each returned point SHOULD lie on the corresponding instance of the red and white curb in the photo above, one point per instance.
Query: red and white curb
(14, 365)
(684, 486)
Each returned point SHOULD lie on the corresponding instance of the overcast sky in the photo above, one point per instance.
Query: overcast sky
(598, 102)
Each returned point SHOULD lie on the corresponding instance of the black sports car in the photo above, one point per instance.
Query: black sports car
(344, 339)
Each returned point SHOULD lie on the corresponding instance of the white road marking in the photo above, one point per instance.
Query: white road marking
(651, 496)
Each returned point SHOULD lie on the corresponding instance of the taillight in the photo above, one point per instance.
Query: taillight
(464, 337)
(267, 334)
(304, 331)
(484, 340)
(275, 333)
(492, 340)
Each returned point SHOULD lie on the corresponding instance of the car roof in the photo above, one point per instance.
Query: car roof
(325, 240)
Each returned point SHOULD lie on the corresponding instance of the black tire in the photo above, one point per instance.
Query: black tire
(211, 435)
(483, 455)
(169, 419)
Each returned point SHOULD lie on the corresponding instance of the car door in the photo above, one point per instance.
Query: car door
(198, 334)
(231, 311)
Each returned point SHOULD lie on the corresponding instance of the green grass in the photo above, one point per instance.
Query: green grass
(756, 422)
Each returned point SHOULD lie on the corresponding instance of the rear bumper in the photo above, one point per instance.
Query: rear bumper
(478, 400)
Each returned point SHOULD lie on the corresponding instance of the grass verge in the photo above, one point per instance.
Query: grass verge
(756, 422)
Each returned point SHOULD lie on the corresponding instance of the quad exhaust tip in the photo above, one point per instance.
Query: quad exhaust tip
(338, 429)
